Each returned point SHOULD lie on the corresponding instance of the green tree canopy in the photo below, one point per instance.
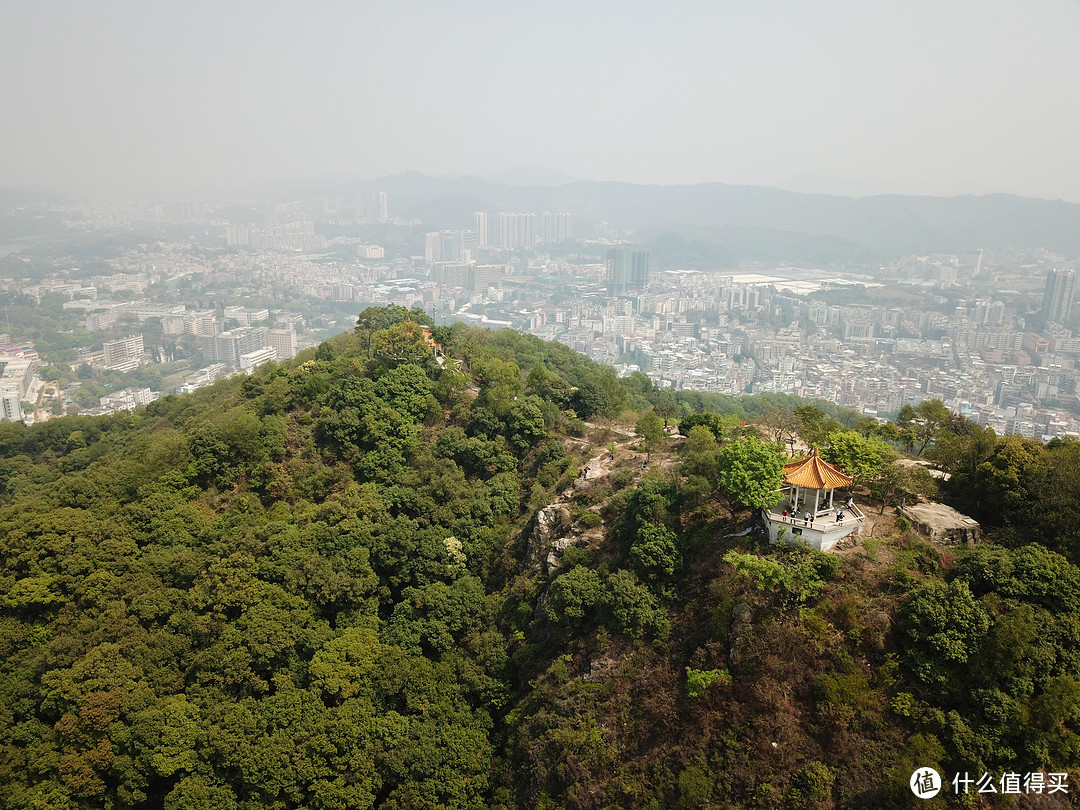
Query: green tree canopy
(650, 427)
(751, 472)
(862, 458)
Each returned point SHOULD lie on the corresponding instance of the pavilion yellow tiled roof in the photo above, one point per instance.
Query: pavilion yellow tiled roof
(815, 473)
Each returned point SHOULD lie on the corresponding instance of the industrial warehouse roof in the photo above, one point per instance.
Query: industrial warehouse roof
(815, 473)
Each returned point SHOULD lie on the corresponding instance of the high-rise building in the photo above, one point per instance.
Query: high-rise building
(470, 241)
(10, 405)
(100, 320)
(433, 247)
(627, 269)
(564, 227)
(451, 274)
(555, 228)
(245, 316)
(452, 244)
(283, 342)
(480, 220)
(384, 207)
(547, 228)
(124, 354)
(239, 235)
(516, 231)
(1058, 298)
(183, 211)
(228, 346)
(127, 400)
(16, 377)
(204, 324)
(370, 251)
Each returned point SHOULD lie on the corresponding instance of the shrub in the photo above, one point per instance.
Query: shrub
(590, 520)
(698, 680)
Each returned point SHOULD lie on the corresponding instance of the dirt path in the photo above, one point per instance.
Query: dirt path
(599, 466)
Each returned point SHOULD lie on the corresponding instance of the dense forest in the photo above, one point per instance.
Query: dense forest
(380, 575)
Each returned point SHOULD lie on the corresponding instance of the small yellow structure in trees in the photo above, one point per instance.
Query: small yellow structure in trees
(808, 510)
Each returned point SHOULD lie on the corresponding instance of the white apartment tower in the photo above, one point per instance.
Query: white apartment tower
(433, 247)
(480, 220)
(516, 230)
(555, 228)
(124, 354)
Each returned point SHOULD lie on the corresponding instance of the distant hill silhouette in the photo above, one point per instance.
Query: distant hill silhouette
(751, 222)
(531, 176)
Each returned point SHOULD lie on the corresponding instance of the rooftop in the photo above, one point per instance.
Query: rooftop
(815, 473)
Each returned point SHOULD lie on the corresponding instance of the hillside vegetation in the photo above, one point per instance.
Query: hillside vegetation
(377, 577)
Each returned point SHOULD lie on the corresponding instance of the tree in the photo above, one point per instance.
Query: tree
(651, 430)
(637, 383)
(887, 431)
(500, 384)
(549, 386)
(590, 398)
(865, 426)
(896, 480)
(525, 423)
(403, 343)
(376, 319)
(574, 595)
(814, 425)
(408, 390)
(861, 458)
(655, 552)
(667, 408)
(723, 426)
(751, 472)
(700, 453)
(630, 607)
(796, 573)
(942, 627)
(962, 446)
(922, 422)
(780, 423)
(905, 416)
(1005, 489)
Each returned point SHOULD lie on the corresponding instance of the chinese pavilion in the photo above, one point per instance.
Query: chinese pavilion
(808, 510)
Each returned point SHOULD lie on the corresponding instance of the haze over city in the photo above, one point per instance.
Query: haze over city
(840, 97)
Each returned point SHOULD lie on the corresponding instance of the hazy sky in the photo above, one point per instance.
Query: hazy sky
(188, 98)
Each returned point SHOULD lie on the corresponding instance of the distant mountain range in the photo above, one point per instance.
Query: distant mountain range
(708, 225)
(749, 222)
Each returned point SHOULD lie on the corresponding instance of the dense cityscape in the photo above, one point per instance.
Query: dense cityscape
(988, 334)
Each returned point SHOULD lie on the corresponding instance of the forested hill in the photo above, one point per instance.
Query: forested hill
(379, 576)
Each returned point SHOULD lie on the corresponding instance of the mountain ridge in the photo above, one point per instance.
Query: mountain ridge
(885, 225)
(371, 576)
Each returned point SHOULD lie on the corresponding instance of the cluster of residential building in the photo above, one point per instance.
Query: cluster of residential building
(990, 335)
(18, 377)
